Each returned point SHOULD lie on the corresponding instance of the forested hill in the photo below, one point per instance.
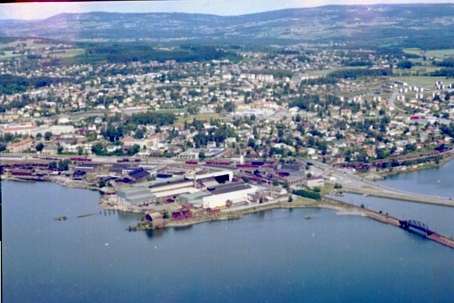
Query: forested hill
(415, 25)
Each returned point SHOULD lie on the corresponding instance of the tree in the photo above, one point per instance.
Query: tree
(47, 136)
(39, 136)
(63, 165)
(53, 165)
(98, 149)
(80, 150)
(251, 143)
(133, 150)
(229, 106)
(218, 109)
(290, 198)
(405, 64)
(201, 155)
(193, 109)
(101, 183)
(246, 179)
(275, 182)
(337, 186)
(138, 134)
(39, 147)
(59, 150)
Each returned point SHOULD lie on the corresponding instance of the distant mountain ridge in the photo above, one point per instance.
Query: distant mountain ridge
(404, 23)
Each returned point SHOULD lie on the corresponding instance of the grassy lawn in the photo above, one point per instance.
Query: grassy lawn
(327, 189)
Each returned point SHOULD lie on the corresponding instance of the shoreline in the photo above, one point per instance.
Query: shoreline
(341, 208)
(383, 175)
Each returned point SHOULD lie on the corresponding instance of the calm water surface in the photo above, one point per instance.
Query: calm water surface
(434, 181)
(272, 256)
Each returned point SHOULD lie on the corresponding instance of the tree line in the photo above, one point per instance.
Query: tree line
(307, 194)
(10, 84)
(360, 73)
(125, 53)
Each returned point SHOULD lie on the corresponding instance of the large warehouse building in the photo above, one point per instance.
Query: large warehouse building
(222, 194)
(135, 195)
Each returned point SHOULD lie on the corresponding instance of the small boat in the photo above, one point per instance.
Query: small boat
(309, 217)
(61, 218)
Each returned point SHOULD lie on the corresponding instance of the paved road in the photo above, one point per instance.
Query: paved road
(348, 179)
(393, 99)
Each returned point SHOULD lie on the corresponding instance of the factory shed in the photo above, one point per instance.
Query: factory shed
(121, 169)
(135, 196)
(193, 198)
(227, 194)
(138, 174)
(314, 181)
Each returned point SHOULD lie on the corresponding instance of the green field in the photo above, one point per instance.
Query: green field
(8, 55)
(68, 53)
(440, 53)
(427, 82)
(204, 116)
(324, 72)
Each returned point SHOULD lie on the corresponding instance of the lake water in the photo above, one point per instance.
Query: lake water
(434, 181)
(272, 256)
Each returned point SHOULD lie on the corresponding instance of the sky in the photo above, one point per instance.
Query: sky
(31, 11)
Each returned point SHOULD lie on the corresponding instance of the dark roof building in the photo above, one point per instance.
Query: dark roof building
(120, 169)
(79, 175)
(228, 188)
(138, 174)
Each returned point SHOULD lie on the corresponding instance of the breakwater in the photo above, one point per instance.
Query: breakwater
(385, 218)
(385, 193)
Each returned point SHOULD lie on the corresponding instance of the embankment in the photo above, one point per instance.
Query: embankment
(383, 193)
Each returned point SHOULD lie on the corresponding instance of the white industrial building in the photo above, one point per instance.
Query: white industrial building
(314, 182)
(233, 192)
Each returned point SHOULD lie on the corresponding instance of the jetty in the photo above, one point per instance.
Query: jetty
(404, 224)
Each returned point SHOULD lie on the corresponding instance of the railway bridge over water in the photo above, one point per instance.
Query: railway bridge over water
(406, 224)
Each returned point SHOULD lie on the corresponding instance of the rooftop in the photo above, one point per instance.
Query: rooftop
(228, 188)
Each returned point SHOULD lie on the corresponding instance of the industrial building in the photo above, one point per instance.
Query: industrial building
(135, 196)
(193, 199)
(226, 194)
(314, 182)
